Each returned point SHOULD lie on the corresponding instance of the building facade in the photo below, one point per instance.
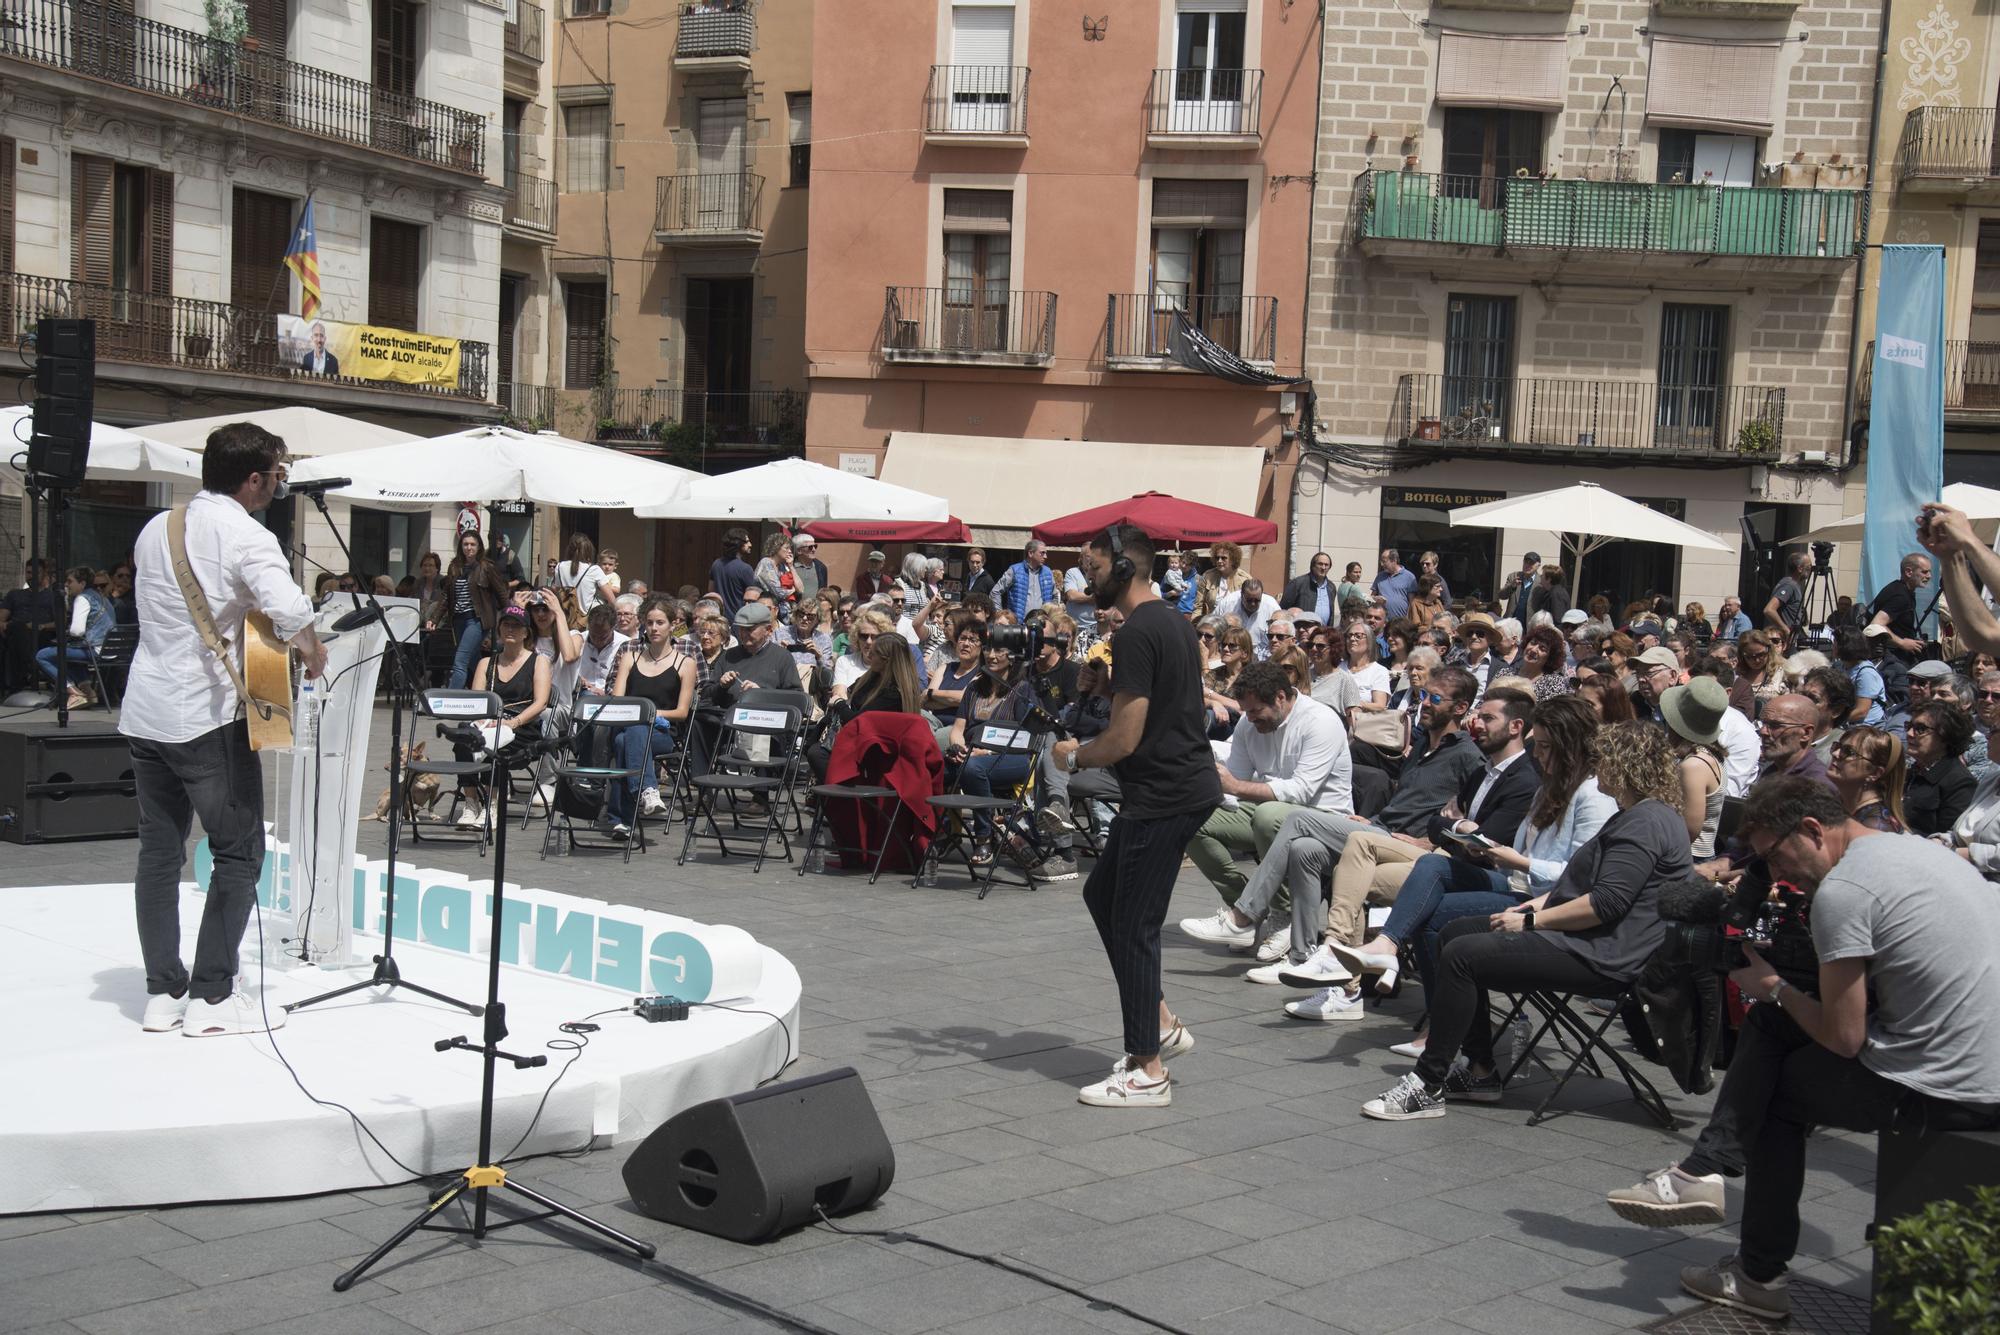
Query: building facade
(1012, 213)
(1606, 240)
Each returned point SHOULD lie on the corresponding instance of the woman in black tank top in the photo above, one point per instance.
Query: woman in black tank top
(651, 669)
(520, 677)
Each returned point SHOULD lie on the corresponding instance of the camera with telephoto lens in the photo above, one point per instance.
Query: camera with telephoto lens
(1026, 642)
(1699, 913)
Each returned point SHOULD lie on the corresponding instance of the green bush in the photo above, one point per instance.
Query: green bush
(1938, 1272)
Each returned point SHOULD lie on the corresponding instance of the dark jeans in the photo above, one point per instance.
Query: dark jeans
(1473, 957)
(982, 774)
(1440, 890)
(470, 635)
(635, 748)
(216, 778)
(1127, 895)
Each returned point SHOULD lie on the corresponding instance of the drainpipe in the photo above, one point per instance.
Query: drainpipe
(1847, 405)
(1309, 435)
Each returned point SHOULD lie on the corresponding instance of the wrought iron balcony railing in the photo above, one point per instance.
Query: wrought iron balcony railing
(977, 100)
(1590, 416)
(191, 334)
(760, 417)
(523, 36)
(1971, 376)
(1139, 325)
(111, 43)
(531, 203)
(966, 323)
(715, 31)
(530, 407)
(724, 203)
(1205, 103)
(1948, 143)
(1524, 212)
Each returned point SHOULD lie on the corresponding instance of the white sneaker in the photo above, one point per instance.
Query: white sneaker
(1329, 1003)
(1321, 969)
(1407, 1101)
(651, 803)
(1275, 947)
(1175, 1041)
(164, 1012)
(1220, 927)
(1125, 1088)
(1270, 975)
(241, 1012)
(471, 815)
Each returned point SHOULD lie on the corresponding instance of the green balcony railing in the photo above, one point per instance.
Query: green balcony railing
(1630, 216)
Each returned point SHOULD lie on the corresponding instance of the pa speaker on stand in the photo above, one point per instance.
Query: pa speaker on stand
(65, 397)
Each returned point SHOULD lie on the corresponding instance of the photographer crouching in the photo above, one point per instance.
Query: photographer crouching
(1893, 914)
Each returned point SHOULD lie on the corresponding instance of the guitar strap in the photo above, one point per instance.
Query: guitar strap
(202, 615)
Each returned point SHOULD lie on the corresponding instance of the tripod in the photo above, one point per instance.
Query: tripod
(485, 1176)
(387, 973)
(1821, 601)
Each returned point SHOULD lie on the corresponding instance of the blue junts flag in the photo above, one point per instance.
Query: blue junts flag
(1906, 416)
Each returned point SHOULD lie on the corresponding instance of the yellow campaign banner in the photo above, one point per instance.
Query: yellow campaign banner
(367, 352)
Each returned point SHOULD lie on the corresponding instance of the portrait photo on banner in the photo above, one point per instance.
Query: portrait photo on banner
(366, 352)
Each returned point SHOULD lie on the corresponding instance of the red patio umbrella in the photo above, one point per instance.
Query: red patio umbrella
(888, 530)
(1163, 518)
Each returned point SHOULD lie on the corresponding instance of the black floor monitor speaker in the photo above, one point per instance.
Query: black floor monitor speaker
(750, 1166)
(66, 783)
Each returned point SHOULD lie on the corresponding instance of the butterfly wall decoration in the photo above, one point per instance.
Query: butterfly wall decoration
(1094, 32)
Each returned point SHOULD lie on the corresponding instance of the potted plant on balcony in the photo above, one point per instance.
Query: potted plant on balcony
(1756, 436)
(199, 345)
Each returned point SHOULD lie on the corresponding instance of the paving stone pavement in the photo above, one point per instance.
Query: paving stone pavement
(1261, 1201)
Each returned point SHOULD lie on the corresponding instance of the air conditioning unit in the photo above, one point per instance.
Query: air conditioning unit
(1821, 457)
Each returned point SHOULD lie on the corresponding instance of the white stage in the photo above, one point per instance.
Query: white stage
(101, 1114)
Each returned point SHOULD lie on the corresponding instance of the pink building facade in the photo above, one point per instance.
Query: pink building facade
(1009, 211)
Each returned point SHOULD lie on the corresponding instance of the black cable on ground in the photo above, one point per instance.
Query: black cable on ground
(1000, 1263)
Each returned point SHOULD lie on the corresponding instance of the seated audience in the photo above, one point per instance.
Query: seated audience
(1939, 787)
(1868, 773)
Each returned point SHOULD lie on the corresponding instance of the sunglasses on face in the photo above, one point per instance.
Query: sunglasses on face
(1206, 635)
(1987, 695)
(1920, 730)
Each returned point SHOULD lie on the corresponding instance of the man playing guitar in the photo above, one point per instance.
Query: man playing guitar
(184, 716)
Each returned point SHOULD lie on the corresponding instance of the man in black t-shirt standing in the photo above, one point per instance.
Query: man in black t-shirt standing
(1157, 744)
(1896, 607)
(1786, 611)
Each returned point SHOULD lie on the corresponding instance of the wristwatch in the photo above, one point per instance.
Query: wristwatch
(1777, 993)
(1527, 920)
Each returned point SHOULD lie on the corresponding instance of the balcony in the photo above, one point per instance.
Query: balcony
(1949, 150)
(758, 419)
(1699, 235)
(530, 208)
(966, 326)
(527, 407)
(523, 37)
(1593, 421)
(186, 334)
(977, 105)
(715, 37)
(1137, 327)
(709, 209)
(190, 70)
(1971, 382)
(1191, 108)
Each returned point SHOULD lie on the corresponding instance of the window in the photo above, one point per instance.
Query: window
(1484, 146)
(510, 320)
(1693, 349)
(978, 268)
(1707, 159)
(982, 76)
(1418, 519)
(800, 108)
(1478, 367)
(1208, 66)
(512, 111)
(7, 159)
(589, 9)
(587, 147)
(583, 340)
(121, 226)
(1197, 258)
(395, 271)
(260, 230)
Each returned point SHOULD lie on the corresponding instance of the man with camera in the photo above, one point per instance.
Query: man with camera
(1895, 916)
(1785, 613)
(1896, 607)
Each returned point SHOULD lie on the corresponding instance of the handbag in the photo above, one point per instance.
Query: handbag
(1387, 730)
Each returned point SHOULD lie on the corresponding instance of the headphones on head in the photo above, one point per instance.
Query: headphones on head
(1122, 569)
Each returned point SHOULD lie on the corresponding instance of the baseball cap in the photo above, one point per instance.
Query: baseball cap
(1536, 557)
(1931, 669)
(1874, 628)
(1576, 616)
(753, 614)
(1639, 628)
(1660, 656)
(877, 556)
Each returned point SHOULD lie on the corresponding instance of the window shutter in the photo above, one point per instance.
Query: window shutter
(722, 121)
(1200, 203)
(1491, 70)
(510, 314)
(393, 262)
(270, 25)
(260, 229)
(159, 232)
(586, 147)
(583, 341)
(92, 189)
(982, 35)
(978, 210)
(8, 155)
(1712, 85)
(694, 337)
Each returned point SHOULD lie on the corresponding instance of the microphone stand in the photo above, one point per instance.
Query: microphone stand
(388, 974)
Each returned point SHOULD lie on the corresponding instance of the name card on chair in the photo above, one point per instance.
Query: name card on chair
(444, 704)
(759, 718)
(602, 711)
(999, 736)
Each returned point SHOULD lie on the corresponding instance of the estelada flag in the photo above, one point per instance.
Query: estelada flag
(302, 258)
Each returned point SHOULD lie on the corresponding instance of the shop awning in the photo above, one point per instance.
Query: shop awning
(1003, 486)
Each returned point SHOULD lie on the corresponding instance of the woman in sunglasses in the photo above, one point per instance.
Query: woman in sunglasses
(1939, 787)
(1760, 674)
(1237, 651)
(1868, 773)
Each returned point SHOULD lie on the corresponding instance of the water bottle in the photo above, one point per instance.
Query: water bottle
(307, 731)
(816, 859)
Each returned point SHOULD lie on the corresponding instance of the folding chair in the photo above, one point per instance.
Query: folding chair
(450, 708)
(1589, 1043)
(741, 779)
(955, 834)
(120, 645)
(595, 720)
(762, 698)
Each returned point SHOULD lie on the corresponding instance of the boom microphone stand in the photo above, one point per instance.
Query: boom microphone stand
(486, 1175)
(388, 973)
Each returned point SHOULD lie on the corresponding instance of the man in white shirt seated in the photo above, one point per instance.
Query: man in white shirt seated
(597, 659)
(191, 753)
(1289, 751)
(1744, 748)
(1253, 610)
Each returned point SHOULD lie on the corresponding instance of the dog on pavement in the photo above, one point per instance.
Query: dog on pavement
(420, 791)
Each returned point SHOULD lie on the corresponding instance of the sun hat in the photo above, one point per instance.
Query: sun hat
(1694, 711)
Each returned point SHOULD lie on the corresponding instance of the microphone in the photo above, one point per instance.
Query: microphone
(356, 619)
(318, 487)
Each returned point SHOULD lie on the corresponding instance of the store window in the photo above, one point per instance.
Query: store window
(1627, 571)
(1418, 519)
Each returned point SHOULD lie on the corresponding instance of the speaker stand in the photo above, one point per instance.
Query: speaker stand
(486, 1176)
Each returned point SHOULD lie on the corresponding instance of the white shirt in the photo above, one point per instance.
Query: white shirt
(1305, 761)
(1259, 625)
(177, 690)
(1493, 773)
(1372, 678)
(583, 580)
(594, 664)
(847, 670)
(1744, 752)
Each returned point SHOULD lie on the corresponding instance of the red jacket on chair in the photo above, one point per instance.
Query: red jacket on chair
(890, 750)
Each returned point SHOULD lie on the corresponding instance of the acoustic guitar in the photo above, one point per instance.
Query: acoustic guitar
(267, 679)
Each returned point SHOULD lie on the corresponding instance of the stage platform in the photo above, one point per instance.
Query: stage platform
(100, 1113)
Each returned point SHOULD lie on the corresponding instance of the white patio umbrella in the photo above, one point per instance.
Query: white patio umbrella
(114, 451)
(799, 489)
(1586, 516)
(1981, 506)
(497, 463)
(307, 432)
